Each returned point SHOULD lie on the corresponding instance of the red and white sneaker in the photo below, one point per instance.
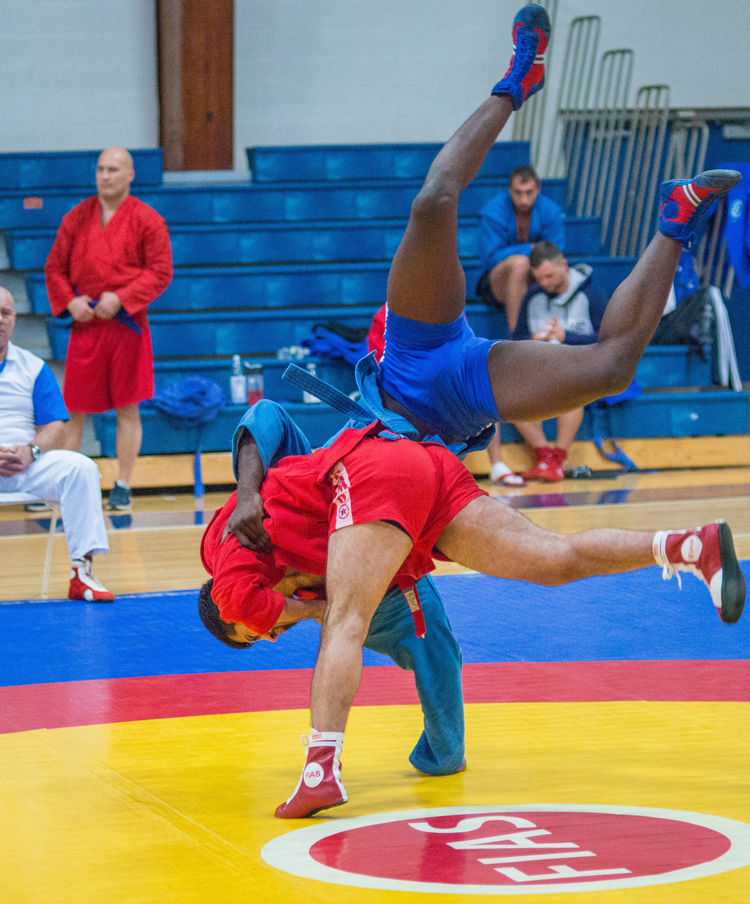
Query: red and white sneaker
(320, 787)
(83, 584)
(707, 552)
(549, 465)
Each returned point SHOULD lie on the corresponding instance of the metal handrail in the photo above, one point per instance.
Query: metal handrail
(688, 144)
(687, 155)
(575, 89)
(605, 134)
(641, 170)
(592, 127)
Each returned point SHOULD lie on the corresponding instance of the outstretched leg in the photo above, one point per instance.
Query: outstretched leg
(427, 281)
(492, 538)
(536, 380)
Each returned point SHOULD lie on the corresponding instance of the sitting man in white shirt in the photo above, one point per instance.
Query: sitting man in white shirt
(32, 425)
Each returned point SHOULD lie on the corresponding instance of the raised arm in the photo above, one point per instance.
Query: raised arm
(264, 436)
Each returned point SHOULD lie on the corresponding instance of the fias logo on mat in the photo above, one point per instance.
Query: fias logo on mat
(514, 850)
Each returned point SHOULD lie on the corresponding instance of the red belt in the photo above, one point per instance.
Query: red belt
(409, 590)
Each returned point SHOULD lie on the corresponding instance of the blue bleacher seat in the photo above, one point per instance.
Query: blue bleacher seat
(225, 288)
(244, 203)
(660, 366)
(227, 332)
(40, 170)
(317, 421)
(333, 370)
(245, 243)
(255, 332)
(674, 365)
(180, 335)
(717, 412)
(652, 415)
(368, 161)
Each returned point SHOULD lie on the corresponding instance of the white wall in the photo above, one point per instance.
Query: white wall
(352, 70)
(699, 49)
(77, 74)
(329, 71)
(82, 73)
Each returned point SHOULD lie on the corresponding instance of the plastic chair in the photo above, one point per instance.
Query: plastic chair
(22, 499)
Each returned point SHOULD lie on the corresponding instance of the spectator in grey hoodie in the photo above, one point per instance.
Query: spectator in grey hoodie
(563, 306)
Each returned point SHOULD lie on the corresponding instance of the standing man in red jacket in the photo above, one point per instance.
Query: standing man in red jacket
(111, 258)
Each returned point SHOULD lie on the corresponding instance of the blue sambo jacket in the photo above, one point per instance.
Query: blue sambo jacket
(497, 228)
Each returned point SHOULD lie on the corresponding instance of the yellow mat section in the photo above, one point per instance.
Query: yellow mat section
(178, 810)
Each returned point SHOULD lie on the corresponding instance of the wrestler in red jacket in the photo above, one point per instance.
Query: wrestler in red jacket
(369, 512)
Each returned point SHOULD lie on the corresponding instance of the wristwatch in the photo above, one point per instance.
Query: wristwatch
(36, 452)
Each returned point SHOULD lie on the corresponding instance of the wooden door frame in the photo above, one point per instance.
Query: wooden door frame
(177, 78)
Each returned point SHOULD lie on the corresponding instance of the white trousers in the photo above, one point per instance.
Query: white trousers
(72, 480)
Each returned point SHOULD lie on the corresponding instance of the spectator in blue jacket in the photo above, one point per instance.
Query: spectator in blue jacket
(563, 306)
(511, 222)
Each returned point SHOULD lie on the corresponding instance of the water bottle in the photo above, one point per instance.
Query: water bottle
(254, 378)
(237, 384)
(292, 353)
(308, 396)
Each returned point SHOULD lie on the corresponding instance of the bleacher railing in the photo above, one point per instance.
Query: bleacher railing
(687, 156)
(591, 186)
(574, 94)
(528, 122)
(615, 156)
(639, 181)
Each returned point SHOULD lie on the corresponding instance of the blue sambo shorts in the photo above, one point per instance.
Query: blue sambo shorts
(439, 372)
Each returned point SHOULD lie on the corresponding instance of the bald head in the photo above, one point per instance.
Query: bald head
(117, 155)
(114, 173)
(7, 321)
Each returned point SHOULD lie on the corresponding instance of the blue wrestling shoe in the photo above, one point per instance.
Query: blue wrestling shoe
(525, 75)
(687, 203)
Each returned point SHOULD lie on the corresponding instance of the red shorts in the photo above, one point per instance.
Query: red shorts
(108, 366)
(421, 488)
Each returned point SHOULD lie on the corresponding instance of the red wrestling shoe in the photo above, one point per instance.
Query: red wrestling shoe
(549, 465)
(83, 584)
(686, 203)
(560, 460)
(707, 552)
(525, 75)
(320, 787)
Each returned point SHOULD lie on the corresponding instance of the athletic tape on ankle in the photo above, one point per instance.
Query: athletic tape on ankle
(659, 546)
(325, 738)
